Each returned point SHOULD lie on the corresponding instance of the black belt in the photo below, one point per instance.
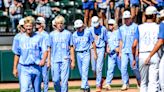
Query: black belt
(82, 51)
(99, 47)
(145, 52)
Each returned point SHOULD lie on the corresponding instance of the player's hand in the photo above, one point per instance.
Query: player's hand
(85, 1)
(117, 50)
(119, 55)
(134, 63)
(108, 50)
(15, 72)
(48, 64)
(147, 61)
(72, 63)
(42, 63)
(95, 56)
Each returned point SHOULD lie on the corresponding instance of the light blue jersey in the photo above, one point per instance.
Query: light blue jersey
(161, 31)
(15, 44)
(84, 42)
(102, 38)
(127, 36)
(113, 40)
(29, 49)
(60, 42)
(46, 39)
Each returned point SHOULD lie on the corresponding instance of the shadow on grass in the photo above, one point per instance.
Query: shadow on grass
(115, 86)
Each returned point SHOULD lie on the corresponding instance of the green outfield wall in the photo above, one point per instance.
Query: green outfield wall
(6, 65)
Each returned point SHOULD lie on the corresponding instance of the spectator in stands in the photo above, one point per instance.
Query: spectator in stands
(88, 6)
(119, 6)
(134, 7)
(44, 10)
(110, 9)
(15, 12)
(145, 4)
(1, 5)
(102, 7)
(7, 4)
(31, 4)
(159, 4)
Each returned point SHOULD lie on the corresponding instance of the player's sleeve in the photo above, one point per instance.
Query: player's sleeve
(119, 34)
(91, 39)
(161, 31)
(43, 45)
(136, 35)
(105, 34)
(70, 40)
(15, 46)
(50, 40)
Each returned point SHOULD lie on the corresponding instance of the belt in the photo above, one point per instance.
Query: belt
(145, 52)
(99, 47)
(82, 51)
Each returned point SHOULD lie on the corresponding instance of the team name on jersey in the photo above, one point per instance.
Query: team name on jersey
(81, 39)
(59, 40)
(30, 46)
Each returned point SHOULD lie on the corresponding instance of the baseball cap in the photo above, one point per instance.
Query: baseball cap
(150, 10)
(111, 21)
(162, 13)
(40, 20)
(126, 14)
(95, 21)
(78, 23)
(21, 21)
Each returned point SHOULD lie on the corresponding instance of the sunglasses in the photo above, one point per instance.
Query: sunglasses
(38, 23)
(110, 24)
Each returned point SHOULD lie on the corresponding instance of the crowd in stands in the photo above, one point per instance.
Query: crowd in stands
(105, 9)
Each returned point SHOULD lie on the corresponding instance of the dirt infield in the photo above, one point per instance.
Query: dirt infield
(74, 86)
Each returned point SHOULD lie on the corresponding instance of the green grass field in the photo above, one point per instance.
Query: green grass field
(73, 89)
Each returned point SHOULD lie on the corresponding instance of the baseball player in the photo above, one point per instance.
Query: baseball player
(82, 40)
(146, 36)
(112, 50)
(88, 6)
(126, 38)
(28, 52)
(157, 46)
(16, 68)
(99, 33)
(62, 54)
(40, 26)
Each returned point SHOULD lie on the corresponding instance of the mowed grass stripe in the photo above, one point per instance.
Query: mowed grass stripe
(114, 86)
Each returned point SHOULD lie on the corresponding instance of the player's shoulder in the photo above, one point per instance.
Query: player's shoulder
(74, 33)
(122, 27)
(104, 28)
(52, 33)
(17, 36)
(67, 32)
(134, 24)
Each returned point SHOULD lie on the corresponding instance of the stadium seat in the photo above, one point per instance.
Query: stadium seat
(55, 4)
(28, 12)
(1, 13)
